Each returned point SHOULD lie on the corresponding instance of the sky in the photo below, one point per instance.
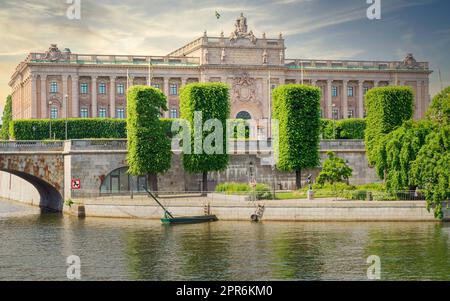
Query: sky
(313, 29)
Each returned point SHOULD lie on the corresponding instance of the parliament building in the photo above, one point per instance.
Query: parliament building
(59, 84)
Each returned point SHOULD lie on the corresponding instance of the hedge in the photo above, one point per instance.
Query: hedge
(149, 148)
(77, 128)
(387, 108)
(352, 128)
(297, 109)
(6, 119)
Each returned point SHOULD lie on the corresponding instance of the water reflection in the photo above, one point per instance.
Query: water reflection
(36, 247)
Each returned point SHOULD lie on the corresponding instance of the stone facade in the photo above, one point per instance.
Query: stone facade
(60, 83)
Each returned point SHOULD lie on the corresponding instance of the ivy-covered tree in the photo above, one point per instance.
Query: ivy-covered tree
(6, 119)
(206, 107)
(149, 147)
(431, 168)
(387, 108)
(297, 109)
(334, 170)
(397, 150)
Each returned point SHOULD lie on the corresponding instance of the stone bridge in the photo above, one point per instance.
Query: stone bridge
(51, 166)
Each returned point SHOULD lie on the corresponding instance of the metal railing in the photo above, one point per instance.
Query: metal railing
(6, 146)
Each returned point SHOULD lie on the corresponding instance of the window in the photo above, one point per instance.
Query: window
(273, 86)
(157, 86)
(350, 114)
(84, 113)
(350, 91)
(173, 89)
(102, 88)
(120, 113)
(84, 88)
(102, 113)
(173, 113)
(120, 89)
(243, 115)
(335, 113)
(334, 91)
(53, 112)
(365, 90)
(119, 181)
(53, 87)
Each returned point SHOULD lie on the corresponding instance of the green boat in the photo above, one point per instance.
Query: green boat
(169, 219)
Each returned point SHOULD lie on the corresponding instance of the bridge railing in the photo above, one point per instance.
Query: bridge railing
(12, 146)
(96, 144)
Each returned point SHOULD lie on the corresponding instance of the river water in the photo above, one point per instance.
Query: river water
(36, 247)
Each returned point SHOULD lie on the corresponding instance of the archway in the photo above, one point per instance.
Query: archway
(119, 181)
(244, 115)
(51, 199)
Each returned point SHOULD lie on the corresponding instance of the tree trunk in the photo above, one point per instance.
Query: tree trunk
(153, 179)
(205, 183)
(298, 178)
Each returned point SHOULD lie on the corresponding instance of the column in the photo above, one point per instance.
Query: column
(65, 96)
(345, 99)
(34, 102)
(313, 82)
(112, 97)
(419, 100)
(75, 96)
(44, 101)
(166, 91)
(329, 100)
(94, 96)
(361, 99)
(183, 81)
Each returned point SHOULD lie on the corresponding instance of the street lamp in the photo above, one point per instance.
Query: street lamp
(66, 98)
(50, 103)
(334, 121)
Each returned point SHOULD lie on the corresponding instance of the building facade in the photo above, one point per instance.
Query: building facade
(59, 84)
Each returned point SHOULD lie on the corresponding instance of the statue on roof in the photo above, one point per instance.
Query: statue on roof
(240, 30)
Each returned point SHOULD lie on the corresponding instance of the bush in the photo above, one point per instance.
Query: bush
(327, 129)
(353, 128)
(262, 191)
(387, 108)
(77, 128)
(6, 119)
(297, 108)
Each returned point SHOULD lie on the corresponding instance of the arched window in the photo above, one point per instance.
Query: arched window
(119, 181)
(243, 115)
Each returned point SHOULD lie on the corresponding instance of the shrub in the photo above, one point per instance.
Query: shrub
(212, 100)
(77, 128)
(327, 129)
(6, 119)
(149, 148)
(353, 128)
(297, 108)
(262, 191)
(387, 108)
(334, 170)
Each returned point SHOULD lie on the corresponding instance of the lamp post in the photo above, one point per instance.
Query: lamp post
(50, 103)
(66, 98)
(334, 121)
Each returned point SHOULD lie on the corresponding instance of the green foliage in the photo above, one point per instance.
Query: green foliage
(387, 108)
(439, 110)
(431, 169)
(77, 128)
(212, 100)
(352, 128)
(397, 150)
(237, 124)
(149, 148)
(261, 190)
(297, 108)
(334, 170)
(6, 119)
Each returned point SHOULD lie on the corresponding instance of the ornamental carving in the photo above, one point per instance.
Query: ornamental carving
(410, 62)
(240, 31)
(244, 88)
(54, 54)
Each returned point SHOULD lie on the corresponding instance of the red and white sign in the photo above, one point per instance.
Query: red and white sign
(76, 184)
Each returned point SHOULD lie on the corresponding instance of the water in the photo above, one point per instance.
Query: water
(35, 247)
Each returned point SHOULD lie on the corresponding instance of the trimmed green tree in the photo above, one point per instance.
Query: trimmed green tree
(206, 107)
(6, 119)
(149, 147)
(387, 108)
(297, 109)
(334, 170)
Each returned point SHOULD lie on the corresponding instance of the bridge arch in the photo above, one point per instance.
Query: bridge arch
(50, 199)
